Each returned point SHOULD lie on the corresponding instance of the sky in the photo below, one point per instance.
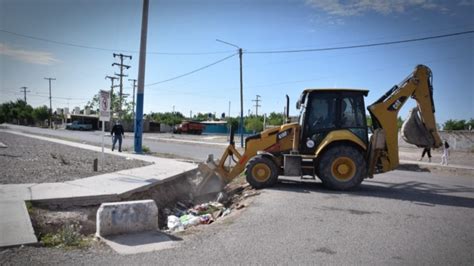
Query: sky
(74, 41)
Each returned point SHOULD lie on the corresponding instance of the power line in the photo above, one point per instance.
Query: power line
(191, 72)
(106, 49)
(361, 45)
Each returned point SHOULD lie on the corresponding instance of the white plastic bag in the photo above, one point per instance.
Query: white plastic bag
(174, 224)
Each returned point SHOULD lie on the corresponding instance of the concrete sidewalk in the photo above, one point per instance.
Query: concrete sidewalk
(90, 190)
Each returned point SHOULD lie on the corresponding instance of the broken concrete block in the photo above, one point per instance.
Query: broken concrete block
(126, 217)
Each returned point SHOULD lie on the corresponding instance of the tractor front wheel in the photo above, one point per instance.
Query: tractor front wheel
(342, 167)
(261, 172)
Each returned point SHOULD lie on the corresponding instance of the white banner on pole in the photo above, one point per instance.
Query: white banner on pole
(104, 105)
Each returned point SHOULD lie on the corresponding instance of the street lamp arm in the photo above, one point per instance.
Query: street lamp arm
(228, 43)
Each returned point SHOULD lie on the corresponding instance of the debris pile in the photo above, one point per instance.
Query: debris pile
(185, 215)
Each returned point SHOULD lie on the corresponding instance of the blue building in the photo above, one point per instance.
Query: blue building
(215, 127)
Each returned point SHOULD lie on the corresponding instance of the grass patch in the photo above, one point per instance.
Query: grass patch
(29, 207)
(146, 149)
(68, 236)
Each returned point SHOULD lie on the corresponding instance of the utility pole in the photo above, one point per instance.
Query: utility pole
(141, 79)
(256, 104)
(50, 102)
(228, 114)
(112, 92)
(121, 75)
(133, 98)
(241, 93)
(24, 92)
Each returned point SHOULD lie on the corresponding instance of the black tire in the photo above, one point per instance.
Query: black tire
(342, 167)
(261, 172)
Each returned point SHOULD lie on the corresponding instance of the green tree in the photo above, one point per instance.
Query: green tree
(5, 112)
(40, 114)
(470, 124)
(453, 124)
(275, 119)
(16, 112)
(254, 123)
(204, 117)
(369, 120)
(127, 106)
(167, 118)
(234, 122)
(399, 122)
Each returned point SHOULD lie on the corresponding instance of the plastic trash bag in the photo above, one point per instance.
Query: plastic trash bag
(174, 224)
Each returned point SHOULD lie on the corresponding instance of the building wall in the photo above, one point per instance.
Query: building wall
(458, 140)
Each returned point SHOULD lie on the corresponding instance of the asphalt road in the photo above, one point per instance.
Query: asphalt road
(401, 217)
(398, 218)
(188, 149)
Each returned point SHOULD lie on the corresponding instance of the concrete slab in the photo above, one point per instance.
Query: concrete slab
(141, 242)
(15, 192)
(45, 191)
(15, 224)
(126, 217)
(134, 179)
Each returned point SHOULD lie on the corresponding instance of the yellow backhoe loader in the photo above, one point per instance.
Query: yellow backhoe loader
(331, 142)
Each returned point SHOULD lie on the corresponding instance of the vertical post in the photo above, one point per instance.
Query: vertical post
(141, 79)
(102, 162)
(264, 121)
(241, 102)
(50, 102)
(133, 100)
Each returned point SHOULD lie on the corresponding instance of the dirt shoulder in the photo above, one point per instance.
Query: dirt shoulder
(28, 160)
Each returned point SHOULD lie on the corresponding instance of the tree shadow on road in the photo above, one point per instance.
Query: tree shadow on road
(417, 192)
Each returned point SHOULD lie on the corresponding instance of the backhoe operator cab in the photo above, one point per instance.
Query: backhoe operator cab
(334, 137)
(325, 111)
(330, 140)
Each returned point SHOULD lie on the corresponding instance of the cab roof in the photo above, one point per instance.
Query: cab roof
(309, 90)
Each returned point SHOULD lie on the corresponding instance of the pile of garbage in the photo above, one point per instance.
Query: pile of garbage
(183, 216)
(205, 213)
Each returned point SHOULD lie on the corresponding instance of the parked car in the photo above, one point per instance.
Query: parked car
(76, 125)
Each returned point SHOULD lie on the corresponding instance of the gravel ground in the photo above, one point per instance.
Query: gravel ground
(28, 160)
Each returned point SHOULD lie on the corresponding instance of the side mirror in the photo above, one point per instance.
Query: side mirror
(298, 105)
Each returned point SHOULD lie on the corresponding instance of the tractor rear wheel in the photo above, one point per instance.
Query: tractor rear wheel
(261, 172)
(342, 167)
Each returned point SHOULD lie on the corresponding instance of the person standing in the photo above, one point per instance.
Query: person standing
(426, 150)
(445, 156)
(117, 133)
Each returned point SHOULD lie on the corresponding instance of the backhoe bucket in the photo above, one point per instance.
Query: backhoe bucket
(414, 131)
(210, 182)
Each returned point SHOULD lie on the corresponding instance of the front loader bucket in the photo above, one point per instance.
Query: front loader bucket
(210, 182)
(414, 131)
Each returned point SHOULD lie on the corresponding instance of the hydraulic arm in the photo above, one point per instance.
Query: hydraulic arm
(384, 113)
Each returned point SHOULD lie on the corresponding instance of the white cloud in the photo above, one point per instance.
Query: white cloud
(341, 8)
(32, 57)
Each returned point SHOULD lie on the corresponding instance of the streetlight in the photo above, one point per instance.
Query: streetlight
(241, 94)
